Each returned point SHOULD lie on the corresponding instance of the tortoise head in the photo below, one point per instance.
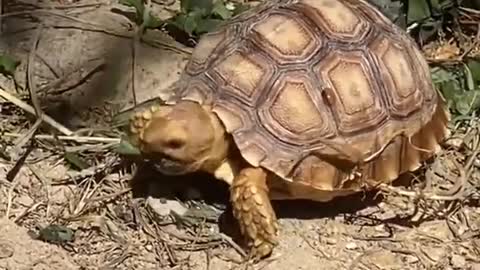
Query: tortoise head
(180, 138)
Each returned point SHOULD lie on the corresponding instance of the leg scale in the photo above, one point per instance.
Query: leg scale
(254, 212)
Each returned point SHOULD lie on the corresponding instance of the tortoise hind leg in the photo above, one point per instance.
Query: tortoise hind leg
(253, 210)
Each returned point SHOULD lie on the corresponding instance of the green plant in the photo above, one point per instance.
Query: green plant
(149, 21)
(460, 85)
(195, 17)
(425, 18)
(8, 65)
(201, 16)
(458, 80)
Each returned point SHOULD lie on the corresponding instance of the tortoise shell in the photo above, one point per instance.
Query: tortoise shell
(310, 88)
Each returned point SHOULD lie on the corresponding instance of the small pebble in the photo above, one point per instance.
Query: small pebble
(25, 200)
(436, 254)
(412, 259)
(380, 228)
(6, 250)
(330, 241)
(458, 261)
(164, 209)
(351, 246)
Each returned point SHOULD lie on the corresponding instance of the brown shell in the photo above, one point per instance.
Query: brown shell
(301, 84)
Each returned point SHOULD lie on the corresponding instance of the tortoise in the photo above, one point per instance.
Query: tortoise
(297, 99)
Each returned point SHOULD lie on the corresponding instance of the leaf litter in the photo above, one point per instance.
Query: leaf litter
(74, 193)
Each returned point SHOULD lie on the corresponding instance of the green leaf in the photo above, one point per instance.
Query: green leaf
(239, 8)
(204, 6)
(179, 21)
(392, 9)
(474, 66)
(56, 234)
(450, 90)
(208, 25)
(126, 148)
(418, 10)
(185, 5)
(8, 65)
(447, 82)
(190, 24)
(76, 161)
(153, 22)
(440, 75)
(467, 102)
(468, 78)
(462, 106)
(435, 4)
(137, 4)
(221, 10)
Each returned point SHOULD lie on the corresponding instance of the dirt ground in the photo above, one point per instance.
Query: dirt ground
(82, 74)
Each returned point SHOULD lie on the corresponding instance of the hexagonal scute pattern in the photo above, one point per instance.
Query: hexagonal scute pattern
(204, 51)
(352, 89)
(401, 73)
(285, 108)
(294, 109)
(286, 38)
(243, 73)
(336, 18)
(307, 79)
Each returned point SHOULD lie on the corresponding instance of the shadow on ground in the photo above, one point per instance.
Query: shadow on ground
(148, 182)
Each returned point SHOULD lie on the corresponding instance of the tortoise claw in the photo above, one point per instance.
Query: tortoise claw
(254, 212)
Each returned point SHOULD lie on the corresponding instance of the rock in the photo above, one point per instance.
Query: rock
(436, 254)
(164, 207)
(351, 246)
(6, 250)
(458, 261)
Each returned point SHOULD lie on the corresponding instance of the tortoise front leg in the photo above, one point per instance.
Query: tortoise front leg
(254, 212)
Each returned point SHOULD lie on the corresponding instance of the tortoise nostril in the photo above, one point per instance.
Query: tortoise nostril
(175, 143)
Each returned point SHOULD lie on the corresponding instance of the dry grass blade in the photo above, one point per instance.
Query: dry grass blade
(10, 198)
(74, 138)
(30, 73)
(23, 139)
(1, 13)
(24, 106)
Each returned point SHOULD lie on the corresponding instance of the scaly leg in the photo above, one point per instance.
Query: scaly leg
(254, 212)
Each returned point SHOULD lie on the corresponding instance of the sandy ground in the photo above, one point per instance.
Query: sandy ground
(82, 74)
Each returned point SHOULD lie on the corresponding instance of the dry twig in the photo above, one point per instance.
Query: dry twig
(74, 138)
(24, 106)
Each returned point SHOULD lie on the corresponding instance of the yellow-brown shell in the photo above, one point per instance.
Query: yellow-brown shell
(298, 83)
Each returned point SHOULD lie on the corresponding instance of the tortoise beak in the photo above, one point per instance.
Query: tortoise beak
(167, 165)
